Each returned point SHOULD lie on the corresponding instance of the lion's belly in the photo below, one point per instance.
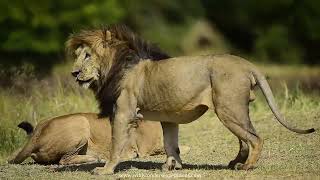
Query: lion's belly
(181, 117)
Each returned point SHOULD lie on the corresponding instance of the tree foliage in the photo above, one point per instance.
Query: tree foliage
(42, 26)
(279, 31)
(286, 31)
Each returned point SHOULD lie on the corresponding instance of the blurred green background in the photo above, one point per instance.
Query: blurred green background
(281, 32)
(277, 31)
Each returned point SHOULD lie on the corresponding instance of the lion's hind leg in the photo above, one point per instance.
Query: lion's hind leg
(23, 153)
(78, 155)
(80, 159)
(170, 138)
(244, 148)
(242, 155)
(235, 116)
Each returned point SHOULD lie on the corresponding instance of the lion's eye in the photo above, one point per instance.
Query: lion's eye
(87, 56)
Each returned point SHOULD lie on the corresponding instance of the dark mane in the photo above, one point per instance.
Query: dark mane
(130, 49)
(143, 49)
(121, 34)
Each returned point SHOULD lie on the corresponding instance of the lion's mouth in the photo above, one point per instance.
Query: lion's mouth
(85, 83)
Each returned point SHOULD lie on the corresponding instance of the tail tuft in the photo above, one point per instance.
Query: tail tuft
(27, 127)
(304, 131)
(311, 130)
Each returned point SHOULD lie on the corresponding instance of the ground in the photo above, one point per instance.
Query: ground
(285, 154)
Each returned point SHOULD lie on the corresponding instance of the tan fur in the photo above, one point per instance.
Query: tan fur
(174, 91)
(83, 138)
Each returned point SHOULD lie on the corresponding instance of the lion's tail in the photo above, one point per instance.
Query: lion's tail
(265, 88)
(27, 127)
(20, 155)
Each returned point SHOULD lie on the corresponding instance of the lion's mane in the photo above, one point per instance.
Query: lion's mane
(130, 50)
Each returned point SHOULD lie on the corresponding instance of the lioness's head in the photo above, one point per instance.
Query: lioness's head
(102, 55)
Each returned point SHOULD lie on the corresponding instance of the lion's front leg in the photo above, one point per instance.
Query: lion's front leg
(170, 138)
(125, 112)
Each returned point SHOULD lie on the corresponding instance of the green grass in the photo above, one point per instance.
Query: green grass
(38, 100)
(285, 154)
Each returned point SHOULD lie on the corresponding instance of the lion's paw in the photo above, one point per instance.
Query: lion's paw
(102, 171)
(240, 166)
(232, 164)
(171, 164)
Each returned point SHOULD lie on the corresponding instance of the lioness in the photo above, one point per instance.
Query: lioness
(119, 67)
(84, 138)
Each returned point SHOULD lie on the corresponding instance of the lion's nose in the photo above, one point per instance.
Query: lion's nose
(75, 73)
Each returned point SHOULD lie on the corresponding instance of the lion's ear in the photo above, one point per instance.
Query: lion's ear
(107, 38)
(108, 35)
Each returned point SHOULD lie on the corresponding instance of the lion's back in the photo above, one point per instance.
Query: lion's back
(59, 136)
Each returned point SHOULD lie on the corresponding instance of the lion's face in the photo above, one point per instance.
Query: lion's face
(86, 66)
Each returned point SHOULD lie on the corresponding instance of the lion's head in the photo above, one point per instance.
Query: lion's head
(89, 51)
(101, 57)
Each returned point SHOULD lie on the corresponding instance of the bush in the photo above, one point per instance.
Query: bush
(275, 45)
(42, 26)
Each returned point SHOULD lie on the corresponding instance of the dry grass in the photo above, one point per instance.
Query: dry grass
(285, 154)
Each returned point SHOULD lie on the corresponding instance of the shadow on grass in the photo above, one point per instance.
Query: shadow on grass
(146, 165)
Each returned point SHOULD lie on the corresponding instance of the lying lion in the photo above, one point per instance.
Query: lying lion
(84, 138)
(125, 73)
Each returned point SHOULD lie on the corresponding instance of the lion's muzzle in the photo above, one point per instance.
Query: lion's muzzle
(75, 73)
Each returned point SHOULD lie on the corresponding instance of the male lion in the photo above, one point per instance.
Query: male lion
(84, 138)
(122, 71)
